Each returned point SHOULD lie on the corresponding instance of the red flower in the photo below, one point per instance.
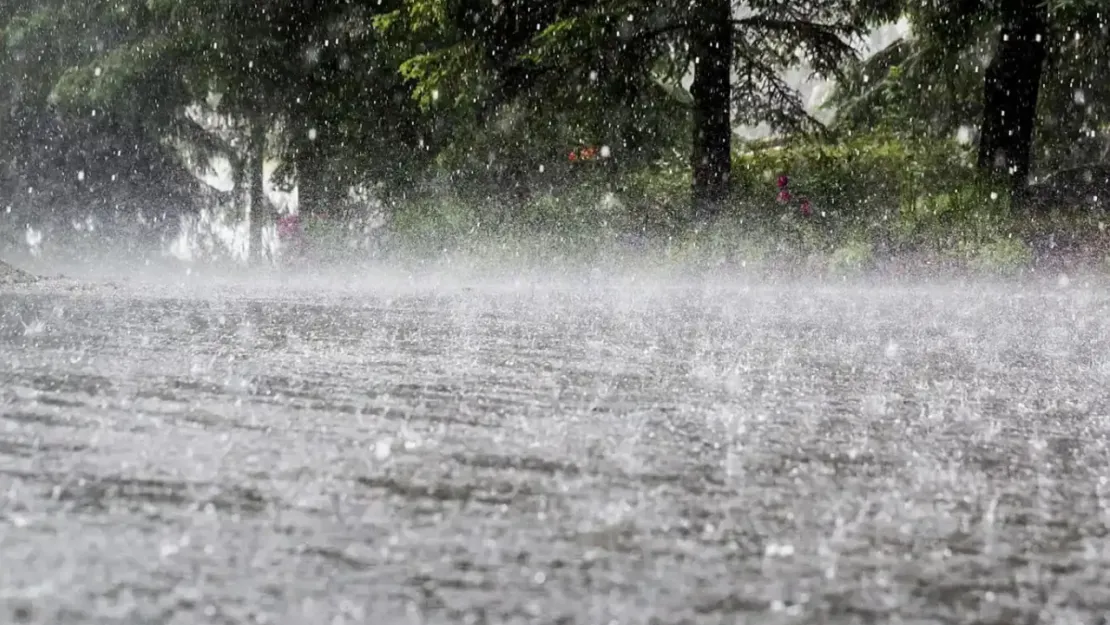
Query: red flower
(783, 181)
(573, 156)
(806, 210)
(784, 196)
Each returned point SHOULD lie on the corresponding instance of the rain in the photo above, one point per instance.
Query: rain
(604, 312)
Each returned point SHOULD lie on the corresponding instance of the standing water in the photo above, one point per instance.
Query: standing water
(548, 451)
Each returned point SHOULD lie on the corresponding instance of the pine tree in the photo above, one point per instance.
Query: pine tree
(600, 52)
(1040, 94)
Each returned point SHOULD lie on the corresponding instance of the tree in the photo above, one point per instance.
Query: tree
(487, 55)
(1039, 95)
(711, 156)
(1010, 88)
(96, 156)
(312, 76)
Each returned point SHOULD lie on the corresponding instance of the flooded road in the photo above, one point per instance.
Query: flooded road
(554, 453)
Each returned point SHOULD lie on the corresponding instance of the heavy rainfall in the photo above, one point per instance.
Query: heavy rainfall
(576, 312)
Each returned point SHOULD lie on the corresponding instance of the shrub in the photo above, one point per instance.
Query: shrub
(897, 194)
(871, 196)
(858, 179)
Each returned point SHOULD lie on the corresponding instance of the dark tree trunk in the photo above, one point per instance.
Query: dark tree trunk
(1010, 91)
(259, 207)
(240, 193)
(712, 93)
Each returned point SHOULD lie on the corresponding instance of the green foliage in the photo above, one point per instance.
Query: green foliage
(461, 113)
(852, 256)
(53, 155)
(318, 72)
(966, 215)
(931, 83)
(1000, 255)
(606, 72)
(859, 180)
(657, 196)
(875, 198)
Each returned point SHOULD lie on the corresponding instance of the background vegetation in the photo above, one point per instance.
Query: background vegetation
(980, 137)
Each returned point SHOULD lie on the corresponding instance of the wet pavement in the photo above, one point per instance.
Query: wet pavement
(553, 452)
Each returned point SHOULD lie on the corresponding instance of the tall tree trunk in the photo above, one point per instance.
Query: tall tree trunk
(259, 208)
(712, 93)
(1010, 91)
(240, 194)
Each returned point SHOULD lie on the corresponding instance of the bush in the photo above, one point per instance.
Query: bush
(1001, 255)
(881, 192)
(872, 197)
(858, 180)
(852, 256)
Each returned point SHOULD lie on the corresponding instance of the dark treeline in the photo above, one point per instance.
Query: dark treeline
(116, 103)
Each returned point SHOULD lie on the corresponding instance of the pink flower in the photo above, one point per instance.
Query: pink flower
(784, 196)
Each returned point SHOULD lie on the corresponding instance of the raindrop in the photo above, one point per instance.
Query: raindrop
(774, 550)
(383, 448)
(891, 350)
